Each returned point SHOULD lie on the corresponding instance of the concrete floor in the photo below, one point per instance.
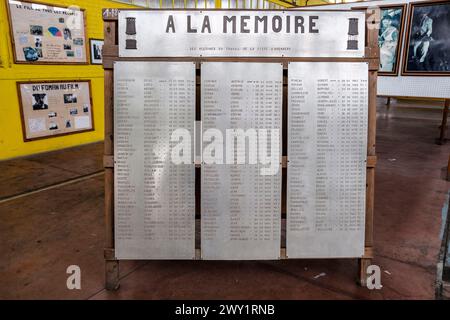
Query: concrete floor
(51, 216)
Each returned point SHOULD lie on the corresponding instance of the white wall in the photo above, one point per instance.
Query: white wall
(408, 86)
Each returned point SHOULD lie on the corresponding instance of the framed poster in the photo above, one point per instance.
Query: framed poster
(47, 34)
(55, 108)
(96, 49)
(390, 38)
(427, 50)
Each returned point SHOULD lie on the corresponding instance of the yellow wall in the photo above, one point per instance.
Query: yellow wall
(11, 138)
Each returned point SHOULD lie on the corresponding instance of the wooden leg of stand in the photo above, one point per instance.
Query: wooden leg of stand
(442, 135)
(448, 169)
(388, 102)
(112, 281)
(364, 263)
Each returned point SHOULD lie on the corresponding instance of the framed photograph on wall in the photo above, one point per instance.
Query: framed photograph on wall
(47, 34)
(427, 49)
(390, 38)
(55, 108)
(96, 49)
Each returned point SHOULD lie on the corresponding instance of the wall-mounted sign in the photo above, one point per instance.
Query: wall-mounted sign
(55, 108)
(231, 33)
(47, 34)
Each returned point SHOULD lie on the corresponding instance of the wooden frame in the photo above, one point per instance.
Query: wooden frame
(405, 72)
(445, 112)
(13, 42)
(90, 50)
(404, 8)
(22, 116)
(111, 54)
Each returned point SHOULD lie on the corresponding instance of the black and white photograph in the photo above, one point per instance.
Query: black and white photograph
(39, 52)
(31, 54)
(73, 111)
(52, 114)
(67, 34)
(96, 48)
(68, 124)
(36, 30)
(40, 101)
(70, 98)
(53, 126)
(86, 108)
(389, 38)
(70, 53)
(67, 47)
(38, 42)
(78, 41)
(428, 39)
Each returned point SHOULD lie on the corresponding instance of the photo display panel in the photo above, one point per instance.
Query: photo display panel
(55, 108)
(154, 195)
(44, 33)
(241, 184)
(327, 153)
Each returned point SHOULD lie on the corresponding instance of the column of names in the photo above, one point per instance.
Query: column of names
(154, 197)
(241, 198)
(327, 147)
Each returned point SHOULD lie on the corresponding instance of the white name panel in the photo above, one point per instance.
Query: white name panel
(231, 33)
(327, 148)
(241, 203)
(154, 198)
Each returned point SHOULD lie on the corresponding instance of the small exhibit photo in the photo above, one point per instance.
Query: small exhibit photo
(389, 38)
(428, 39)
(78, 41)
(85, 108)
(52, 114)
(39, 52)
(36, 30)
(40, 101)
(70, 98)
(53, 126)
(31, 54)
(38, 42)
(73, 111)
(67, 34)
(68, 124)
(96, 48)
(70, 53)
(67, 47)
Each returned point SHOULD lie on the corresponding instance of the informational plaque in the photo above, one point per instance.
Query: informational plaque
(54, 108)
(154, 116)
(327, 148)
(241, 173)
(43, 33)
(234, 33)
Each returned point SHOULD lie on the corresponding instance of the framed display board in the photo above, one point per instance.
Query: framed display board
(423, 52)
(390, 38)
(47, 34)
(427, 47)
(96, 50)
(55, 108)
(259, 88)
